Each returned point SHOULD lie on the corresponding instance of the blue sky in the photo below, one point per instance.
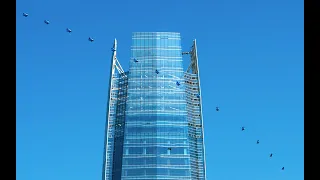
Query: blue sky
(251, 65)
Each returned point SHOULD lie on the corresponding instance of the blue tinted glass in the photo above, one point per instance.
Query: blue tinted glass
(152, 133)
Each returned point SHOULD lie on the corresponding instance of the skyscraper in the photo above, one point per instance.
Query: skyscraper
(154, 126)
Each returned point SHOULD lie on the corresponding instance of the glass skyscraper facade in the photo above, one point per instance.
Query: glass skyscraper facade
(154, 126)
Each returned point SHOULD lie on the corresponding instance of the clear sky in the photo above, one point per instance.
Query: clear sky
(251, 65)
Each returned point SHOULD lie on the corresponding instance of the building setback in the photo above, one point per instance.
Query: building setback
(154, 127)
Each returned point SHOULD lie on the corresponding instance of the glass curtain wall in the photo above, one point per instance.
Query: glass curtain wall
(155, 139)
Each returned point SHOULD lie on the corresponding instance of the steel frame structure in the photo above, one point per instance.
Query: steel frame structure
(197, 119)
(111, 112)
